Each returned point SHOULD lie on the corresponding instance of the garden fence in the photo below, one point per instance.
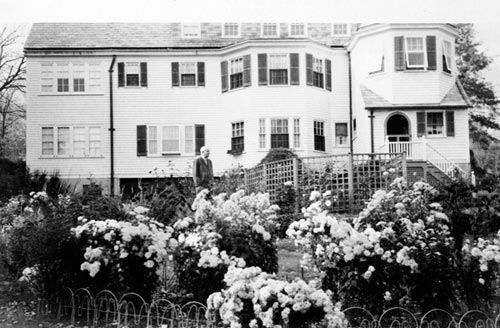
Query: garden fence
(352, 178)
(105, 309)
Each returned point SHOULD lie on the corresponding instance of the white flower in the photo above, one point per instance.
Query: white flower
(149, 264)
(481, 281)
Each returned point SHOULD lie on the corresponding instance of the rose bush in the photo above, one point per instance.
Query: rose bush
(253, 298)
(385, 256)
(239, 228)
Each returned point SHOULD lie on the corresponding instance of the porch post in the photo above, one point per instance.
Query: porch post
(424, 147)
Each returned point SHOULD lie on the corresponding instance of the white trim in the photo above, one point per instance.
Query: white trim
(346, 144)
(287, 55)
(181, 134)
(71, 140)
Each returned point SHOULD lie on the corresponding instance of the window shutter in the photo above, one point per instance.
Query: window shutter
(420, 124)
(431, 52)
(144, 74)
(223, 70)
(199, 135)
(399, 53)
(201, 74)
(142, 140)
(121, 74)
(328, 74)
(309, 69)
(247, 73)
(294, 69)
(175, 74)
(450, 123)
(262, 59)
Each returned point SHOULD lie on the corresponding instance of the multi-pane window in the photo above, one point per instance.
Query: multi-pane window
(447, 56)
(278, 69)
(415, 52)
(47, 141)
(189, 139)
(170, 139)
(94, 140)
(340, 29)
(188, 74)
(435, 125)
(296, 133)
(71, 77)
(319, 135)
(63, 141)
(262, 133)
(318, 77)
(47, 77)
(78, 77)
(68, 141)
(269, 29)
(94, 77)
(279, 133)
(152, 140)
(236, 73)
(191, 30)
(237, 137)
(231, 30)
(341, 134)
(62, 77)
(297, 29)
(132, 73)
(79, 139)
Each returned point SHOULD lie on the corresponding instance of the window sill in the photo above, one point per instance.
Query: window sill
(376, 73)
(188, 86)
(436, 137)
(319, 151)
(342, 146)
(44, 94)
(235, 153)
(132, 87)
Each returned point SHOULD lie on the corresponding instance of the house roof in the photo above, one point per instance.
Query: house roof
(113, 35)
(455, 97)
(149, 36)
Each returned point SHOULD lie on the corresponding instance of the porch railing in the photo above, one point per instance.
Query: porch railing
(422, 150)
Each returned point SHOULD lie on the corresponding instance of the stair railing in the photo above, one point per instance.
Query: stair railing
(445, 165)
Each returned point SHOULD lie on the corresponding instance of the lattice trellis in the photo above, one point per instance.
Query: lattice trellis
(350, 179)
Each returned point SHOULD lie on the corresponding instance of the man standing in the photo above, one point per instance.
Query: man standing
(203, 173)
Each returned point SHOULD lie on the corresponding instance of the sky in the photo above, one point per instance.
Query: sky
(483, 13)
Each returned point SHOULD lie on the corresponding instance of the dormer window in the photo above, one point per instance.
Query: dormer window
(297, 30)
(340, 29)
(191, 30)
(230, 30)
(269, 30)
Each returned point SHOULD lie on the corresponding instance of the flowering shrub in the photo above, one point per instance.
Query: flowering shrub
(385, 256)
(125, 254)
(254, 298)
(238, 228)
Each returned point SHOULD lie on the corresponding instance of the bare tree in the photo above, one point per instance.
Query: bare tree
(12, 85)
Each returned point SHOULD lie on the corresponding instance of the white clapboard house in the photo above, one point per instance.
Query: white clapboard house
(111, 102)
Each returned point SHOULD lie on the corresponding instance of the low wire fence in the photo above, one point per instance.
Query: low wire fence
(351, 178)
(105, 309)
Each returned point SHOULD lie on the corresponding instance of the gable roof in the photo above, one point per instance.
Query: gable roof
(455, 98)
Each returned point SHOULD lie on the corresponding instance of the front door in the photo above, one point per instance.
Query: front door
(398, 129)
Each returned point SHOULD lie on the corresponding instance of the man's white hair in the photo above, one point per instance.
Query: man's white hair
(202, 149)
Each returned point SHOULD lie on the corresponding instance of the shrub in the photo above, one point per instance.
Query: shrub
(223, 230)
(288, 203)
(253, 298)
(230, 181)
(385, 256)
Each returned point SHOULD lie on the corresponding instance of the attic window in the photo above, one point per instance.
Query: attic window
(231, 30)
(415, 53)
(340, 29)
(269, 29)
(191, 30)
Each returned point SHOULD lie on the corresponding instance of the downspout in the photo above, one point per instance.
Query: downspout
(371, 132)
(111, 129)
(351, 146)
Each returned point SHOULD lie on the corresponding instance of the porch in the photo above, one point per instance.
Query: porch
(423, 152)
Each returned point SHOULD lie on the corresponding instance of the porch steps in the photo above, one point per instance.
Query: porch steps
(419, 169)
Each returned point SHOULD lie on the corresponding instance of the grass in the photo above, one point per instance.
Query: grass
(289, 258)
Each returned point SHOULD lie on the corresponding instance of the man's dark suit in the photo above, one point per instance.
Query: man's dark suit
(203, 174)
